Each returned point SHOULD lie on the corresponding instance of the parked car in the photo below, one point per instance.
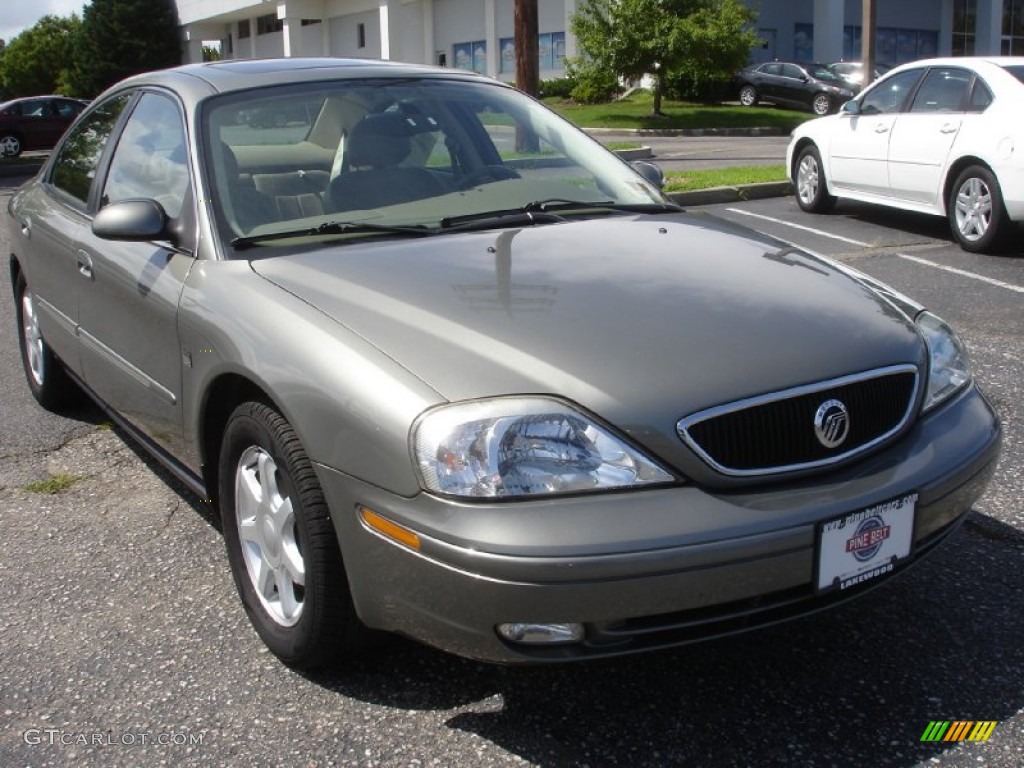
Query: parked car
(500, 396)
(853, 71)
(935, 136)
(792, 84)
(36, 122)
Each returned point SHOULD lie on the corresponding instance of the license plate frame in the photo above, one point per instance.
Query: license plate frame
(863, 545)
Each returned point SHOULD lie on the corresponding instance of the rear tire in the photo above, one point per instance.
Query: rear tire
(47, 380)
(809, 179)
(977, 217)
(281, 543)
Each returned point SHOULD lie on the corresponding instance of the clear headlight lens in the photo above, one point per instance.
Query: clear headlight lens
(948, 367)
(524, 446)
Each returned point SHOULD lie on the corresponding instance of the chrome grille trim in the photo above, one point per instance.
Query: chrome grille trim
(685, 424)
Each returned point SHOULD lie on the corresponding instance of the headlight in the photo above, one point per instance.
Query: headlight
(948, 369)
(524, 446)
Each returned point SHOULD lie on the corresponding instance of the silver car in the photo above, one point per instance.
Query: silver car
(450, 369)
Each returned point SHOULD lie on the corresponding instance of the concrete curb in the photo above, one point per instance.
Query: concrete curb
(640, 153)
(736, 194)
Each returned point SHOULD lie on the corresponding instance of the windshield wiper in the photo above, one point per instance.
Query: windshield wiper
(560, 204)
(513, 217)
(332, 228)
(547, 212)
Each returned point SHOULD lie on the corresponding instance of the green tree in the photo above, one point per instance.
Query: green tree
(120, 38)
(717, 40)
(633, 38)
(35, 62)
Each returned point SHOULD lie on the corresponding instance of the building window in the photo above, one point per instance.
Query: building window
(309, 22)
(361, 35)
(243, 29)
(268, 24)
(471, 56)
(1013, 28)
(964, 16)
(892, 46)
(550, 52)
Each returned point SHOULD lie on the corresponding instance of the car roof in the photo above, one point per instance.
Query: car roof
(243, 74)
(953, 61)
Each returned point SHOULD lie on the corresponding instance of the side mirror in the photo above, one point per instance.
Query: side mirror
(649, 171)
(851, 108)
(131, 220)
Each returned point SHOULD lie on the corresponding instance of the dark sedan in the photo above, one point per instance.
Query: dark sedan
(36, 122)
(789, 84)
(449, 368)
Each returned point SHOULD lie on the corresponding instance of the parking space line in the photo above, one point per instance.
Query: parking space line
(963, 273)
(812, 230)
(915, 259)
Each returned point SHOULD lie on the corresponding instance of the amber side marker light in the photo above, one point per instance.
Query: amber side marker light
(392, 530)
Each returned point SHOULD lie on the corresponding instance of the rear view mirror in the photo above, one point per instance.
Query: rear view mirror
(650, 171)
(131, 220)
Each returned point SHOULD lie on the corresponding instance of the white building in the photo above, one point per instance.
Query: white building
(478, 34)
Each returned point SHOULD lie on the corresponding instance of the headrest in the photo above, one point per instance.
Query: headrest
(379, 140)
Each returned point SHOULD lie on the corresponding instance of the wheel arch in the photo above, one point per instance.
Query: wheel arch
(223, 394)
(953, 171)
(799, 147)
(14, 265)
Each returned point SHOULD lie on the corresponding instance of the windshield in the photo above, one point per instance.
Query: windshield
(1017, 71)
(821, 72)
(397, 153)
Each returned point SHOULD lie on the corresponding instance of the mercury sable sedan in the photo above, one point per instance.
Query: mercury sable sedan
(940, 136)
(449, 368)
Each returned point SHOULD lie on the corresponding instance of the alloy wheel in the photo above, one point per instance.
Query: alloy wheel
(807, 179)
(266, 529)
(34, 350)
(973, 209)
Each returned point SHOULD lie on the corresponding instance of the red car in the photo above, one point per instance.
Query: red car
(35, 122)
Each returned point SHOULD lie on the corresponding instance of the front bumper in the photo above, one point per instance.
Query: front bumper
(643, 569)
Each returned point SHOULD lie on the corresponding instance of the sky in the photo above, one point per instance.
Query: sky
(19, 15)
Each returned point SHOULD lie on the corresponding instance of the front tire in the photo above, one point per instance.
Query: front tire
(47, 380)
(811, 188)
(975, 209)
(821, 105)
(10, 145)
(748, 96)
(281, 544)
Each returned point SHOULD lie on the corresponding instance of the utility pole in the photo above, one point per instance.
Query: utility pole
(527, 65)
(868, 32)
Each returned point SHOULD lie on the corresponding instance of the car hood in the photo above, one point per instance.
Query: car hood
(641, 319)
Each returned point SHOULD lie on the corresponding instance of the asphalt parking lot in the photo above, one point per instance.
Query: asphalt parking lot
(124, 643)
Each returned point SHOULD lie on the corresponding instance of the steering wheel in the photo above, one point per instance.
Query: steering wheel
(486, 175)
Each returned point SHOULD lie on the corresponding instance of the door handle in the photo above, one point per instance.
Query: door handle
(26, 228)
(948, 128)
(85, 265)
(881, 128)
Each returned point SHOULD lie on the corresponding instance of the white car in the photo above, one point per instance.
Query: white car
(939, 136)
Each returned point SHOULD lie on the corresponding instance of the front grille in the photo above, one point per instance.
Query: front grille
(776, 433)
